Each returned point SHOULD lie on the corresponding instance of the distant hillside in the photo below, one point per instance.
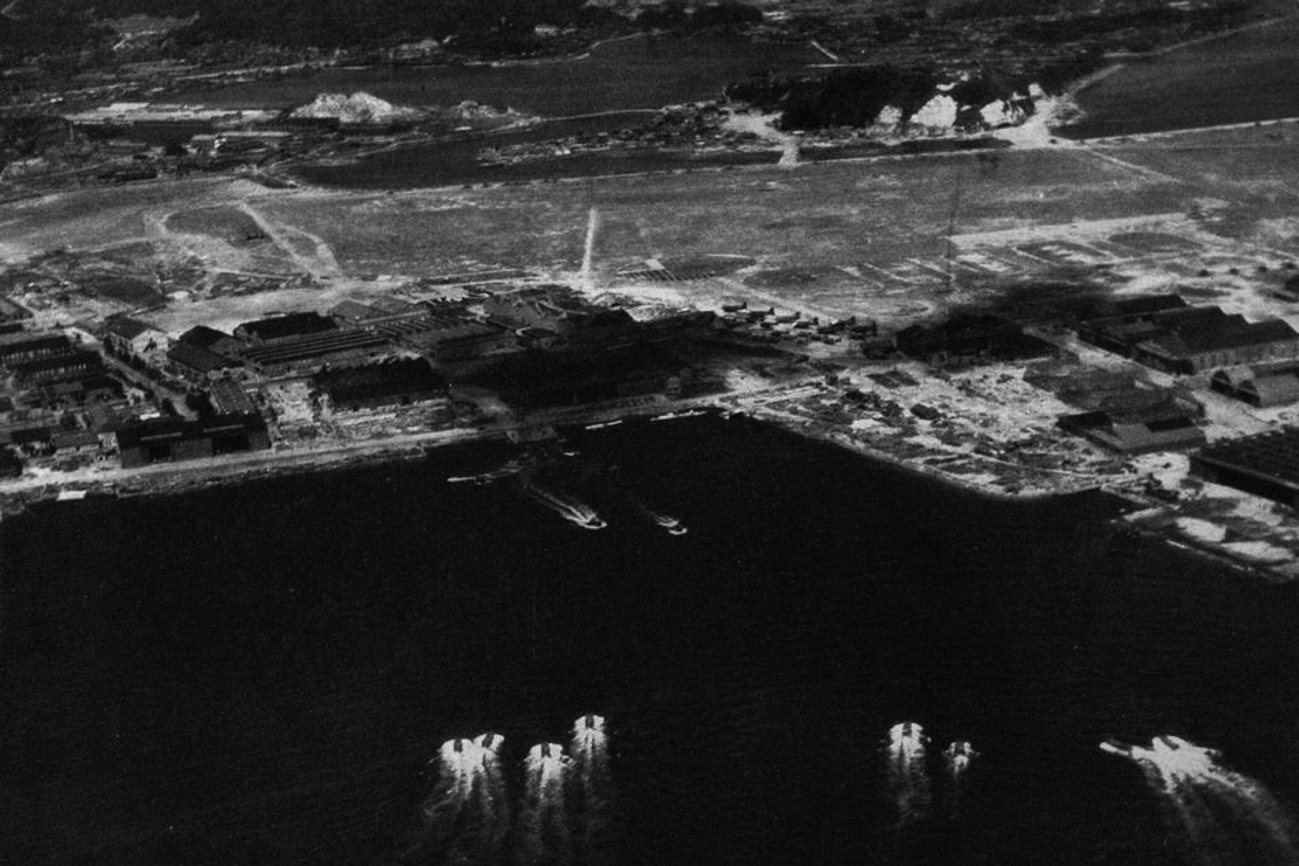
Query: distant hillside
(36, 26)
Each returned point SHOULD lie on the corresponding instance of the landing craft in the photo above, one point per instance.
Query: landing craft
(960, 750)
(487, 741)
(588, 722)
(906, 731)
(458, 745)
(1114, 747)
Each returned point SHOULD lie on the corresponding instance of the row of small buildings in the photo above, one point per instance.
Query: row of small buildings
(354, 333)
(359, 356)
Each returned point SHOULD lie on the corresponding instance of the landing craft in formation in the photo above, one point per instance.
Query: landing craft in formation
(959, 754)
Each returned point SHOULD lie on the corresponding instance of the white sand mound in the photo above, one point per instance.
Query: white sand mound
(356, 108)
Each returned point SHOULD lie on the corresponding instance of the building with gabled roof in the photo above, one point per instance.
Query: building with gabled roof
(195, 362)
(1192, 340)
(1204, 343)
(213, 340)
(133, 337)
(355, 312)
(1137, 432)
(1261, 385)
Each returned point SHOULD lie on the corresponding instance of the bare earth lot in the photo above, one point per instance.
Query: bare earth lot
(891, 238)
(868, 237)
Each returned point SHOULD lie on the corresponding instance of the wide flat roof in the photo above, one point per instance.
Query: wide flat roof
(1273, 455)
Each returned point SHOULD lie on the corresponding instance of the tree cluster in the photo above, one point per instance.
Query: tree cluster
(844, 97)
(500, 25)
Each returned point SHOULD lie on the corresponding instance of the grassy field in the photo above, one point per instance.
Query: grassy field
(828, 214)
(1243, 77)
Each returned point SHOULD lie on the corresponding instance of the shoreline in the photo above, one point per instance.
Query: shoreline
(169, 479)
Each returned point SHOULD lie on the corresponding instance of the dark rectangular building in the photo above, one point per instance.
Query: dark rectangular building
(17, 348)
(1265, 465)
(399, 382)
(59, 368)
(969, 339)
(1193, 339)
(163, 440)
(285, 327)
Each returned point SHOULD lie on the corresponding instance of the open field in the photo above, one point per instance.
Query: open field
(1242, 77)
(892, 238)
(875, 225)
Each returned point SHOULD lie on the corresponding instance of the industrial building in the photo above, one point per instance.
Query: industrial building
(59, 368)
(17, 348)
(162, 440)
(1260, 385)
(13, 313)
(196, 363)
(397, 382)
(1135, 432)
(463, 341)
(1192, 340)
(213, 340)
(1265, 465)
(310, 352)
(558, 310)
(230, 398)
(1093, 389)
(287, 327)
(969, 339)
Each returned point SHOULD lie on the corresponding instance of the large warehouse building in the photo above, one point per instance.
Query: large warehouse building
(1266, 465)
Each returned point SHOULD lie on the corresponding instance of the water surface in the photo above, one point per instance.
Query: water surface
(262, 674)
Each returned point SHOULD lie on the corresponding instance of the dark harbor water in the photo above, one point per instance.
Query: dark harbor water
(640, 72)
(263, 674)
(1242, 78)
(448, 163)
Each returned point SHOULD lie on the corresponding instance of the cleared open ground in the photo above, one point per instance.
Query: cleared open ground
(888, 238)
